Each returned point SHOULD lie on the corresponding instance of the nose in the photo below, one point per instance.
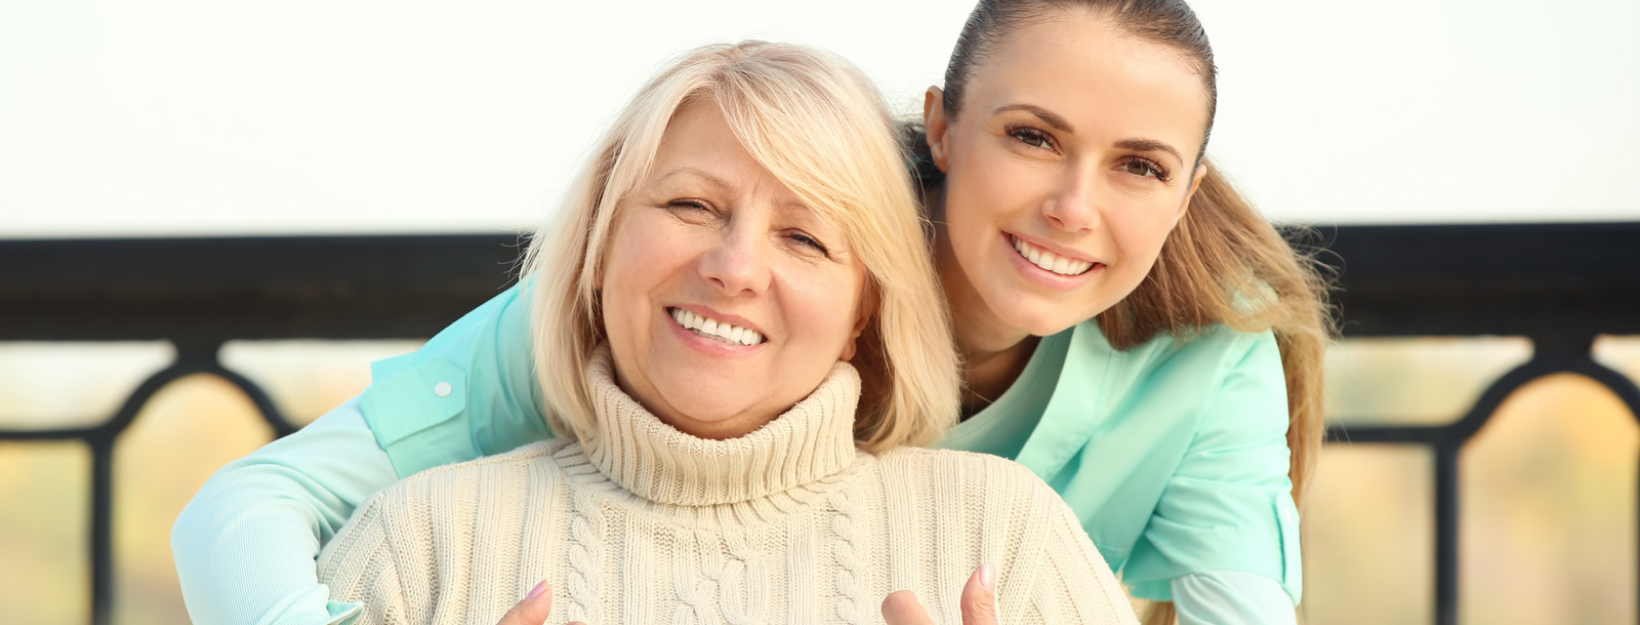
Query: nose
(1074, 205)
(739, 264)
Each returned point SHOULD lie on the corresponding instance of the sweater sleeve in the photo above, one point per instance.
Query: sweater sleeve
(361, 568)
(245, 545)
(1072, 583)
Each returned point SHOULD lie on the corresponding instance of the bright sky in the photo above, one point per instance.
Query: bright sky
(161, 117)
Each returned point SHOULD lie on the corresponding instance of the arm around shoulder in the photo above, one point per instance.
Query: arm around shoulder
(245, 545)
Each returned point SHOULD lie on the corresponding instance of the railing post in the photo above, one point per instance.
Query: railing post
(1446, 532)
(102, 513)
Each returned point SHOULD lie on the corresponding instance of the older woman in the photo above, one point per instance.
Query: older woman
(740, 250)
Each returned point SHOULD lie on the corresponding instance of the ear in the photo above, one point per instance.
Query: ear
(863, 314)
(938, 127)
(1195, 184)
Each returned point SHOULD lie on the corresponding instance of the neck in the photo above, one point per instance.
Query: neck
(655, 461)
(735, 426)
(994, 352)
(988, 369)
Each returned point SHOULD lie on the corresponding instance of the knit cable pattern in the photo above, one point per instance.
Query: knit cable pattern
(850, 554)
(586, 529)
(821, 545)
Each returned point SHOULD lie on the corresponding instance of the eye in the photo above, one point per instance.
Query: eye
(806, 240)
(1031, 137)
(694, 211)
(1144, 168)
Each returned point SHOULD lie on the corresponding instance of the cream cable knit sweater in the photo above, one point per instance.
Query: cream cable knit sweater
(789, 524)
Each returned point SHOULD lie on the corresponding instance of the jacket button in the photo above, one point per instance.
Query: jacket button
(442, 389)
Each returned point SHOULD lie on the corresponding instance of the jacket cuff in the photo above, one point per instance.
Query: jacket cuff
(343, 613)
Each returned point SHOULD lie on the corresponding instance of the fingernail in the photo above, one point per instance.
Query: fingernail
(536, 592)
(988, 577)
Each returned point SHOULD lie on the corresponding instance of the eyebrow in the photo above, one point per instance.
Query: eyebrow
(1148, 145)
(723, 185)
(1059, 123)
(1049, 117)
(699, 173)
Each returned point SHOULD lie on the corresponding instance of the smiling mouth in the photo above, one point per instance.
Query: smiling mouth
(721, 332)
(1050, 261)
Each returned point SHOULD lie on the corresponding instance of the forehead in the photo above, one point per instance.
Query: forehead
(699, 150)
(699, 137)
(1100, 78)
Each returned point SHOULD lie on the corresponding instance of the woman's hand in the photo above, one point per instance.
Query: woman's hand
(979, 603)
(533, 609)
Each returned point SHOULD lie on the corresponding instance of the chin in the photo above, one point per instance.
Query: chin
(704, 403)
(1048, 327)
(1037, 316)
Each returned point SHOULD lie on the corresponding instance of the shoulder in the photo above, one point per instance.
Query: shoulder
(445, 500)
(421, 523)
(1188, 372)
(1225, 340)
(527, 455)
(1216, 346)
(444, 484)
(964, 461)
(1011, 518)
(981, 481)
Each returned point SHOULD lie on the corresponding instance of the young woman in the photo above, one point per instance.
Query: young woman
(1132, 332)
(702, 300)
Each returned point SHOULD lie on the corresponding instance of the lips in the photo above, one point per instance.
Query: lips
(1062, 265)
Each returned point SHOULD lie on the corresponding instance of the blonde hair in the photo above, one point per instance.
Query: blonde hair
(819, 126)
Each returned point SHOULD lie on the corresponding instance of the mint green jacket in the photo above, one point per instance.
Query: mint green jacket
(1173, 454)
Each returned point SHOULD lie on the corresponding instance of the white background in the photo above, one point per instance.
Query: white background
(161, 117)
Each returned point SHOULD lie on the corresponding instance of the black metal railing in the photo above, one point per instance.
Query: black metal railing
(1560, 285)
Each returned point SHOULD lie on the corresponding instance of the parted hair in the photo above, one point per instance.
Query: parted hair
(819, 126)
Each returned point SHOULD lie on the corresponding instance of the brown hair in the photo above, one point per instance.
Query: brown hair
(1223, 262)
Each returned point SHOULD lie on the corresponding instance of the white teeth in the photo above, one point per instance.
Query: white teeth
(1050, 261)
(715, 329)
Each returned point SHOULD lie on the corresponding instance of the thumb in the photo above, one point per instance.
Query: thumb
(533, 609)
(902, 608)
(979, 597)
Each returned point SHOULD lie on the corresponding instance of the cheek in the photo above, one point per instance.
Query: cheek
(990, 193)
(825, 303)
(1139, 234)
(638, 259)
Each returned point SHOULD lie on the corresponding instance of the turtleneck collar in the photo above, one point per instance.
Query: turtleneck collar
(655, 461)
